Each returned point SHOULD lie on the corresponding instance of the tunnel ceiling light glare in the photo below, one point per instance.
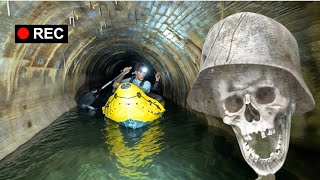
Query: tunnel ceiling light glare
(170, 35)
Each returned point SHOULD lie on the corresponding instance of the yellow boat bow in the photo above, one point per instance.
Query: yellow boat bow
(131, 107)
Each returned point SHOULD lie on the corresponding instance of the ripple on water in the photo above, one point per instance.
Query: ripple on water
(78, 146)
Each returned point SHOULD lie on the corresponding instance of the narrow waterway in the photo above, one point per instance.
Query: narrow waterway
(178, 146)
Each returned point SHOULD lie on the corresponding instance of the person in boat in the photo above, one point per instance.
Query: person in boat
(87, 99)
(139, 78)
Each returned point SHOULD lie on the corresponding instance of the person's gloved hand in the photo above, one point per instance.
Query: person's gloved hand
(157, 76)
(126, 70)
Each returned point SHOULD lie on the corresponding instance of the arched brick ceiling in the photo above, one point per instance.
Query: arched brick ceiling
(169, 35)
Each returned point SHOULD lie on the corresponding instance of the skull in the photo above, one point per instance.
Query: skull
(250, 75)
(258, 107)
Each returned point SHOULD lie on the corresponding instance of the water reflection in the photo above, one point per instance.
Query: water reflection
(77, 146)
(132, 150)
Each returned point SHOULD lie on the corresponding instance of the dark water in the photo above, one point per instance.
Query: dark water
(78, 146)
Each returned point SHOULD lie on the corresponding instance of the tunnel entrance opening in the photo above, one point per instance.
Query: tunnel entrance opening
(104, 68)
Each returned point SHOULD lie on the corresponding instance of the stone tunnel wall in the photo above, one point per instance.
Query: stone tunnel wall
(38, 82)
(31, 99)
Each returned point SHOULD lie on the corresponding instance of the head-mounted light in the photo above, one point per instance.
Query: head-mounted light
(144, 69)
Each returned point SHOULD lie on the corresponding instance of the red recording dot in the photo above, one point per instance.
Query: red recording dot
(23, 33)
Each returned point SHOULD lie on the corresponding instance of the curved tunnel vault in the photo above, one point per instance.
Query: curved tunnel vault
(39, 82)
(103, 65)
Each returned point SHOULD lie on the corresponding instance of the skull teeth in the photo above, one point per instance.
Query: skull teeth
(264, 134)
(247, 137)
(279, 141)
(274, 156)
(247, 147)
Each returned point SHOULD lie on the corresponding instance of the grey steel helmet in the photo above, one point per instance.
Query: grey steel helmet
(248, 39)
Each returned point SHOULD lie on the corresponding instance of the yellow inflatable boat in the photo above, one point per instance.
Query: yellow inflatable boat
(131, 107)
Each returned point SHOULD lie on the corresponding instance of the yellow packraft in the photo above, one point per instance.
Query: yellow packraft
(129, 102)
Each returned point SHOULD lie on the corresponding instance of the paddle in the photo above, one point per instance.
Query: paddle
(112, 80)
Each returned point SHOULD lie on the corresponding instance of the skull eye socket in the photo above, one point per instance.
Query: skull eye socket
(233, 103)
(265, 95)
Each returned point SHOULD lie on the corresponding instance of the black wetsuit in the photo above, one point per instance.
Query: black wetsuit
(86, 100)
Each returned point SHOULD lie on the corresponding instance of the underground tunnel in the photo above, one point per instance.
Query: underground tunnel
(41, 82)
